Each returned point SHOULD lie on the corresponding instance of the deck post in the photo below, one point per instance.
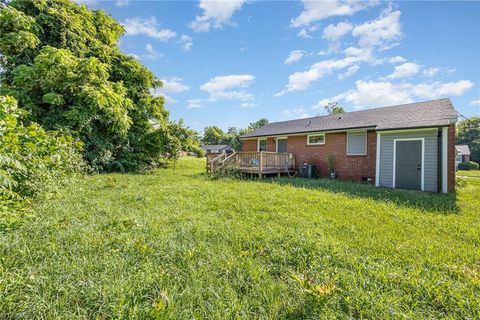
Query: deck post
(261, 164)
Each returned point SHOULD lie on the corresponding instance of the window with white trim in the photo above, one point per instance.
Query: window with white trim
(262, 144)
(357, 143)
(315, 139)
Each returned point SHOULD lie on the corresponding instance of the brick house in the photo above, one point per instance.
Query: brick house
(410, 146)
(463, 153)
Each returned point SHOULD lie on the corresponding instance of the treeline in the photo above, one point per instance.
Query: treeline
(215, 135)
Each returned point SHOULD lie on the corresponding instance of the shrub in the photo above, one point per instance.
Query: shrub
(471, 165)
(33, 162)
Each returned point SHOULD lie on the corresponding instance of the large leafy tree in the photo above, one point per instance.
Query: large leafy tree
(62, 62)
(468, 132)
(213, 135)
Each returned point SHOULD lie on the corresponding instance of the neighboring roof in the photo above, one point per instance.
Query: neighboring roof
(216, 147)
(413, 115)
(463, 149)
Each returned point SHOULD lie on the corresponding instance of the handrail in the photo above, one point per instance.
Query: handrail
(230, 156)
(262, 161)
(215, 160)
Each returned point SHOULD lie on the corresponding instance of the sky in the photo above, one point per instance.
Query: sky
(229, 63)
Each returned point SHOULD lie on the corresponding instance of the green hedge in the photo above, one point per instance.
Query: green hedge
(471, 165)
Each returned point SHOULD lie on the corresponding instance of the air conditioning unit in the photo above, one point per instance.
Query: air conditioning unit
(308, 171)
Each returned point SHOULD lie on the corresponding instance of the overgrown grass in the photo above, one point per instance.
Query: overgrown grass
(175, 244)
(469, 173)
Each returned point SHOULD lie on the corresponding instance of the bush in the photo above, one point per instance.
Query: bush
(33, 162)
(471, 165)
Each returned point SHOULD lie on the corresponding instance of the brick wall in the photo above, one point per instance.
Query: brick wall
(348, 167)
(249, 145)
(451, 158)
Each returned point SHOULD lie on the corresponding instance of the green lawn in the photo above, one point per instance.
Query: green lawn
(469, 173)
(174, 244)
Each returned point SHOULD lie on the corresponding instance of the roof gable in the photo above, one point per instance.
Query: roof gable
(463, 149)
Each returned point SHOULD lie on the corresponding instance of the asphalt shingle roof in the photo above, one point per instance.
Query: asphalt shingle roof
(463, 149)
(413, 115)
(216, 146)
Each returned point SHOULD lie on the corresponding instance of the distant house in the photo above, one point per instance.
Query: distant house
(216, 148)
(463, 154)
(410, 146)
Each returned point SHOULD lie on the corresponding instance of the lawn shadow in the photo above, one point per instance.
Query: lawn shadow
(427, 201)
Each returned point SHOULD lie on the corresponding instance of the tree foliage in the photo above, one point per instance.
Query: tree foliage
(215, 135)
(62, 63)
(334, 108)
(32, 160)
(468, 132)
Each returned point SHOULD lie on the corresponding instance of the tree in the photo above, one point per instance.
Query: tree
(257, 124)
(62, 63)
(213, 135)
(334, 108)
(468, 132)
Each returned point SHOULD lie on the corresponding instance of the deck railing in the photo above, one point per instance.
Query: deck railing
(252, 161)
(214, 160)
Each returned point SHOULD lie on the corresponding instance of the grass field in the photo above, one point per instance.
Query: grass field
(174, 244)
(468, 173)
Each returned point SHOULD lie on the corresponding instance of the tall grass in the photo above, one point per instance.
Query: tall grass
(175, 244)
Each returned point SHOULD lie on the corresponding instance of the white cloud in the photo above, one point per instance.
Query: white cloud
(186, 42)
(302, 80)
(169, 99)
(396, 59)
(335, 32)
(306, 32)
(440, 90)
(152, 53)
(380, 32)
(122, 3)
(370, 94)
(430, 72)
(229, 87)
(247, 105)
(407, 69)
(475, 103)
(294, 56)
(296, 113)
(226, 82)
(350, 72)
(173, 85)
(149, 27)
(314, 11)
(215, 15)
(323, 102)
(194, 103)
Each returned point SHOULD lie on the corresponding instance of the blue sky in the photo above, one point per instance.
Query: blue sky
(228, 63)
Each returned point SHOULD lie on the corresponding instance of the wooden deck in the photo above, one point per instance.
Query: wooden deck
(251, 162)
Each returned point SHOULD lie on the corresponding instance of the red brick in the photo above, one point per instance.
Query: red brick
(348, 167)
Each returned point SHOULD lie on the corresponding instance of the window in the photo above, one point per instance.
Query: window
(357, 143)
(262, 144)
(314, 139)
